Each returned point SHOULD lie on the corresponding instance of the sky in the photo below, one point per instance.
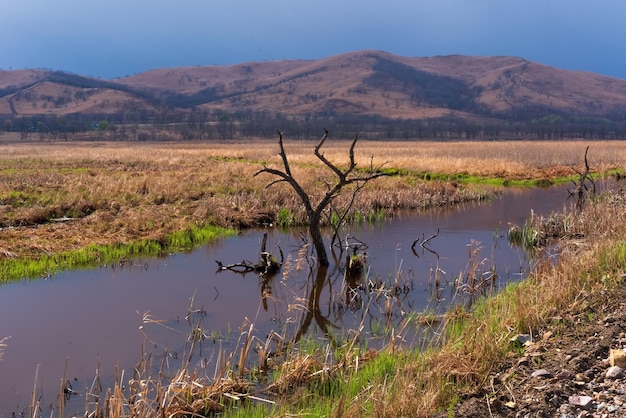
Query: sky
(116, 38)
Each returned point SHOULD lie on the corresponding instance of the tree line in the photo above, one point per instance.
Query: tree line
(248, 124)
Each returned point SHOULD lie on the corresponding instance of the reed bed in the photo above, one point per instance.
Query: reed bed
(488, 158)
(62, 196)
(591, 266)
(599, 219)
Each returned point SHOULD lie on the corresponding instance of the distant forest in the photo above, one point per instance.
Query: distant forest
(173, 124)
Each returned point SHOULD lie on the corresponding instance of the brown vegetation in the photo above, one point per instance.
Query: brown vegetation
(563, 301)
(120, 192)
(310, 86)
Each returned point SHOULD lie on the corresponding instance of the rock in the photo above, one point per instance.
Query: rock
(581, 401)
(579, 358)
(617, 358)
(601, 397)
(541, 373)
(609, 319)
(582, 377)
(521, 340)
(564, 375)
(614, 372)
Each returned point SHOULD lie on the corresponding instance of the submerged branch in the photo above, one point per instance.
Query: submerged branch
(423, 242)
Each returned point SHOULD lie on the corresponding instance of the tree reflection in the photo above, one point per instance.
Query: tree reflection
(327, 293)
(313, 310)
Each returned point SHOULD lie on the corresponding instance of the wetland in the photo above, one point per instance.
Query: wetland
(105, 315)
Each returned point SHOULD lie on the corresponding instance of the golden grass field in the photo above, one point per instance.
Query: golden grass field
(118, 192)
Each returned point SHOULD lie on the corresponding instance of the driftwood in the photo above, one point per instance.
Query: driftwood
(266, 265)
(422, 243)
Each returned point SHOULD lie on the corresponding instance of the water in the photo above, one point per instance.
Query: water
(76, 321)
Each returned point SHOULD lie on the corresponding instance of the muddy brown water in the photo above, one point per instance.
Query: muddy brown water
(76, 321)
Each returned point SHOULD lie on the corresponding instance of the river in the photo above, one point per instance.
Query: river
(77, 321)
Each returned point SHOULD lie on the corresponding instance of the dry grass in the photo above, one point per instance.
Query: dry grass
(472, 343)
(120, 192)
(126, 191)
(590, 268)
(3, 345)
(150, 392)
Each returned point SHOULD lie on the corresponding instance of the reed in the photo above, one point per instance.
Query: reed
(122, 192)
(601, 218)
(3, 344)
(314, 377)
(415, 382)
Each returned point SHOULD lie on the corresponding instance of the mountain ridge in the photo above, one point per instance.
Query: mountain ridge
(368, 83)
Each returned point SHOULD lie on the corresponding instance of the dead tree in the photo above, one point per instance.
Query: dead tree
(314, 211)
(582, 191)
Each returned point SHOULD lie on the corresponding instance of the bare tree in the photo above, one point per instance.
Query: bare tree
(582, 191)
(314, 212)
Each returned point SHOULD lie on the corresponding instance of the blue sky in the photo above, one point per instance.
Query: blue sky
(114, 38)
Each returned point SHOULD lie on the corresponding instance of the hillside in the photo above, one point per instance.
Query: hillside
(365, 87)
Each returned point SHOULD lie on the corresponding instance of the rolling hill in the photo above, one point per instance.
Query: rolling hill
(360, 86)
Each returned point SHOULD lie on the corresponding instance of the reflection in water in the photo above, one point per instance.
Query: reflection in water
(313, 310)
(105, 317)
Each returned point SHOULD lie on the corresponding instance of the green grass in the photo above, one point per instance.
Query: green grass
(285, 218)
(471, 179)
(97, 255)
(525, 236)
(611, 261)
(323, 395)
(501, 182)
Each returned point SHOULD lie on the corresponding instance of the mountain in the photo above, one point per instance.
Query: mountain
(359, 86)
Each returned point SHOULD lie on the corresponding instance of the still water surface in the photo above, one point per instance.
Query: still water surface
(98, 317)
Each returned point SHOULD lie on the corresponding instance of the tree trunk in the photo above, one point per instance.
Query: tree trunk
(318, 240)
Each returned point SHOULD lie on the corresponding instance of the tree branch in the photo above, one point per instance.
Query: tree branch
(319, 155)
(282, 153)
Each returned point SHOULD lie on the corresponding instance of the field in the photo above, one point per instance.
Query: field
(66, 197)
(63, 196)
